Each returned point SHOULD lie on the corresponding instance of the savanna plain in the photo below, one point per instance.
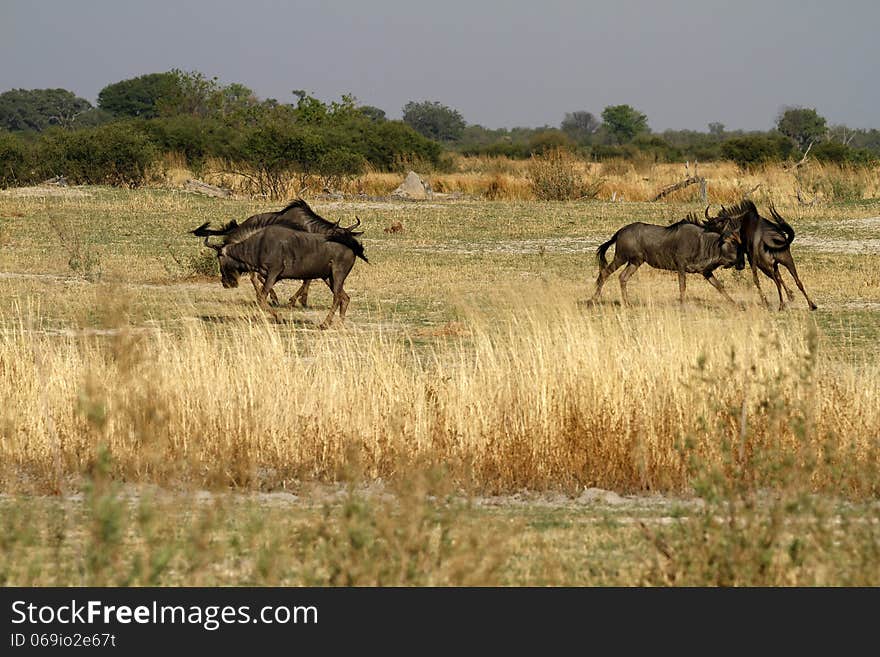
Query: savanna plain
(473, 422)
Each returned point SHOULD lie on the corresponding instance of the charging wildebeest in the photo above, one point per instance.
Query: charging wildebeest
(766, 245)
(276, 251)
(685, 247)
(296, 215)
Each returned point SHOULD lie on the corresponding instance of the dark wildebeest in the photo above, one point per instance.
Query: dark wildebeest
(766, 245)
(277, 252)
(297, 216)
(685, 246)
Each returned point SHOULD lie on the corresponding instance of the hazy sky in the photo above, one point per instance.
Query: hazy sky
(501, 64)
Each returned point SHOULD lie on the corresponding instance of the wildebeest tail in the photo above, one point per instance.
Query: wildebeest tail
(204, 231)
(600, 252)
(351, 242)
(780, 239)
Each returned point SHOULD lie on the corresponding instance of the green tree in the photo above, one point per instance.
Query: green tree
(433, 120)
(137, 97)
(624, 122)
(38, 109)
(192, 94)
(373, 113)
(580, 126)
(716, 129)
(801, 124)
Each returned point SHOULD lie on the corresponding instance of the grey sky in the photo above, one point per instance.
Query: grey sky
(501, 64)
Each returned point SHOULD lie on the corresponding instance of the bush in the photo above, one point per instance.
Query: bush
(198, 139)
(555, 177)
(338, 165)
(756, 149)
(115, 154)
(15, 160)
(546, 141)
(831, 151)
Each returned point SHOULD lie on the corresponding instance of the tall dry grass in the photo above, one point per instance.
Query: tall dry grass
(553, 396)
(496, 178)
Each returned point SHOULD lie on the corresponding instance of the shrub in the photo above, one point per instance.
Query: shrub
(831, 151)
(554, 176)
(115, 154)
(15, 160)
(756, 149)
(338, 165)
(198, 139)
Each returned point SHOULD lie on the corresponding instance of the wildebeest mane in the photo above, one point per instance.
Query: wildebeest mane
(296, 215)
(738, 211)
(691, 218)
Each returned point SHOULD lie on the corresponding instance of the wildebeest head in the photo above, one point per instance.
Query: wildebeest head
(230, 271)
(732, 250)
(728, 225)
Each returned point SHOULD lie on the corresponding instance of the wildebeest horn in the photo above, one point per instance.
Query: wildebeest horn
(775, 214)
(212, 246)
(706, 212)
(356, 224)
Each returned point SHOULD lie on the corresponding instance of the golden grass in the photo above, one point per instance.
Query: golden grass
(495, 178)
(555, 396)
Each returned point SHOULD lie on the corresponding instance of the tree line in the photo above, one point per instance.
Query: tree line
(49, 132)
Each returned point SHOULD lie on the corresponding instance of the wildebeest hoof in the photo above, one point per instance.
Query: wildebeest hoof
(813, 306)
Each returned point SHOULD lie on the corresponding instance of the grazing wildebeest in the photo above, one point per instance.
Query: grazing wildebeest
(296, 215)
(276, 252)
(685, 246)
(766, 245)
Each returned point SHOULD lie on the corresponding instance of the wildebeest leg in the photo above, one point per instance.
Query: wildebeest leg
(709, 276)
(272, 296)
(781, 280)
(302, 294)
(774, 274)
(789, 265)
(267, 287)
(343, 304)
(336, 286)
(682, 286)
(758, 285)
(624, 277)
(604, 273)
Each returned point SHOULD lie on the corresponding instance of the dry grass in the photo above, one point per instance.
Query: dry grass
(511, 180)
(467, 352)
(549, 397)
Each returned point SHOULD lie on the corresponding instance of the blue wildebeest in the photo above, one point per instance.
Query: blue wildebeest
(765, 243)
(297, 216)
(685, 247)
(275, 251)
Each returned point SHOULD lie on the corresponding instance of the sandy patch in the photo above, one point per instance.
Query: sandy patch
(45, 190)
(838, 245)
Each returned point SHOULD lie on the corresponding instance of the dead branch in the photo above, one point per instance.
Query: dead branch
(794, 166)
(689, 180)
(693, 180)
(752, 191)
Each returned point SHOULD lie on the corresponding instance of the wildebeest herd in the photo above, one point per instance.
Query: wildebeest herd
(296, 243)
(293, 243)
(693, 245)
